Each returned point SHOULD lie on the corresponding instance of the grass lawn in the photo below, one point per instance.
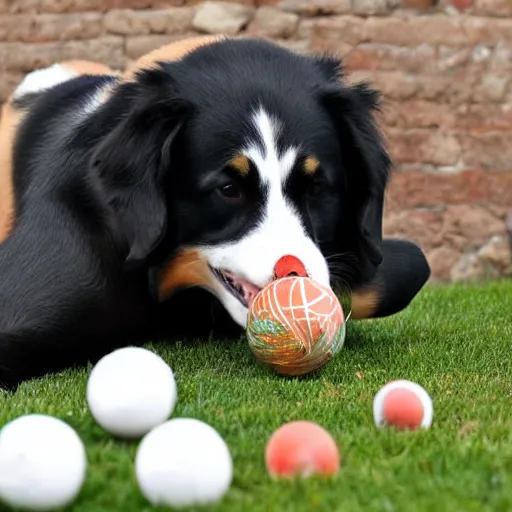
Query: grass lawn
(455, 341)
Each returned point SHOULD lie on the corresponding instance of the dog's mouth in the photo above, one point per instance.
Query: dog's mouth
(244, 291)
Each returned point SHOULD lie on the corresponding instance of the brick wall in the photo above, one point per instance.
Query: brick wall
(444, 66)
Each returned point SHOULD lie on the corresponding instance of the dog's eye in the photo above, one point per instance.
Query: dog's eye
(231, 191)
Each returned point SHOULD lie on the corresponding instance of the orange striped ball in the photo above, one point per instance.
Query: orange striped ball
(295, 325)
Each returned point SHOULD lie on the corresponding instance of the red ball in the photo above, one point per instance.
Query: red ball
(301, 448)
(404, 405)
(403, 409)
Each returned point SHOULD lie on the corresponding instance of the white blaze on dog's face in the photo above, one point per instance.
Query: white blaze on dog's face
(260, 168)
(249, 262)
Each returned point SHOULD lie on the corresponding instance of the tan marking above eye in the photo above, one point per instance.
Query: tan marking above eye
(241, 164)
(311, 165)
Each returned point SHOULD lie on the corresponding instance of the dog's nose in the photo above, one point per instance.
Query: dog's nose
(289, 266)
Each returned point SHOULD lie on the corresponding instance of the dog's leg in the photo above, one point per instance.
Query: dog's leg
(60, 296)
(402, 274)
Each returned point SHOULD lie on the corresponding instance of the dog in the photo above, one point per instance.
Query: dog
(183, 182)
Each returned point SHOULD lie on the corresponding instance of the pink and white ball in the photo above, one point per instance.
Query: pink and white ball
(403, 404)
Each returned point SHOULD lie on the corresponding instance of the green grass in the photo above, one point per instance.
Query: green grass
(456, 341)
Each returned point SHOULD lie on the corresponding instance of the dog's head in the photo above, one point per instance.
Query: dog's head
(239, 154)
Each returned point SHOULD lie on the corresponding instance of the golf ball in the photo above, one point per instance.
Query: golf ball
(130, 391)
(301, 448)
(43, 463)
(404, 405)
(183, 462)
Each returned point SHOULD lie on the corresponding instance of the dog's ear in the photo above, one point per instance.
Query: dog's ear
(366, 164)
(133, 158)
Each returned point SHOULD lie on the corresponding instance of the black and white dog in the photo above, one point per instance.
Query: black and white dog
(199, 168)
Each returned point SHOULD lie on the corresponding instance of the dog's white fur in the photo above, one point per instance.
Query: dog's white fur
(43, 79)
(280, 232)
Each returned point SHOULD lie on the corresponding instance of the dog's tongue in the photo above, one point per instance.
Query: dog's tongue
(250, 292)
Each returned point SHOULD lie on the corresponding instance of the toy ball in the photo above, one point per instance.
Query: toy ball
(130, 391)
(301, 448)
(43, 463)
(183, 463)
(404, 405)
(295, 325)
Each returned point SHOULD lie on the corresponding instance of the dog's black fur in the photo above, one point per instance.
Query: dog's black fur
(102, 203)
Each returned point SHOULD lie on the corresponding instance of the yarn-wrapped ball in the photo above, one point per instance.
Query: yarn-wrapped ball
(295, 325)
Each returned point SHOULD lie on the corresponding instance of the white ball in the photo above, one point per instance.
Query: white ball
(419, 391)
(184, 462)
(130, 391)
(43, 463)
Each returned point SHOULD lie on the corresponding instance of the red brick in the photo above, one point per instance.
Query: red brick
(15, 27)
(63, 6)
(470, 226)
(50, 27)
(385, 57)
(418, 114)
(163, 4)
(491, 150)
(502, 59)
(136, 46)
(129, 4)
(420, 226)
(370, 7)
(452, 235)
(8, 84)
(482, 118)
(66, 6)
(493, 7)
(441, 260)
(461, 5)
(242, 2)
(491, 88)
(415, 30)
(314, 7)
(214, 17)
(418, 4)
(300, 46)
(325, 33)
(487, 30)
(426, 190)
(423, 145)
(455, 88)
(449, 58)
(176, 20)
(25, 57)
(273, 23)
(436, 30)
